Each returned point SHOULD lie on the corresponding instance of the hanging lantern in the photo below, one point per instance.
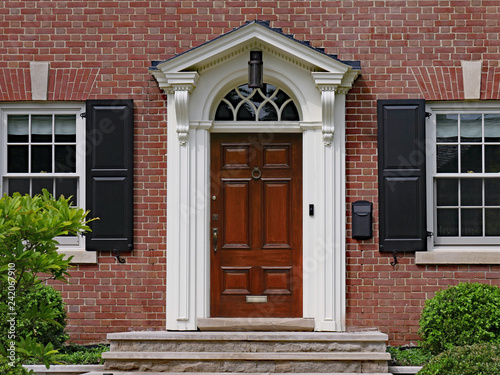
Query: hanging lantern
(255, 70)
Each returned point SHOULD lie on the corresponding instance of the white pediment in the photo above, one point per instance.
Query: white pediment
(255, 35)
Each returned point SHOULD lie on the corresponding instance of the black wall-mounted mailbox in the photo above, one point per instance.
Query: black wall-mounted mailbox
(362, 220)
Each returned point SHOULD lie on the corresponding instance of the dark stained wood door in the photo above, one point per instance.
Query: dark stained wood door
(256, 225)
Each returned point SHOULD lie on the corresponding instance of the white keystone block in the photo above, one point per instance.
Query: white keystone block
(471, 71)
(39, 72)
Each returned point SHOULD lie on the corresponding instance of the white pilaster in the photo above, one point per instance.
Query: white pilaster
(181, 220)
(329, 309)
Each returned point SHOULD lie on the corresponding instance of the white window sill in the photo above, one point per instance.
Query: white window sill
(458, 257)
(80, 256)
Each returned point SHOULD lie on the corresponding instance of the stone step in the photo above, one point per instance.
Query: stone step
(222, 373)
(220, 356)
(247, 352)
(350, 362)
(247, 342)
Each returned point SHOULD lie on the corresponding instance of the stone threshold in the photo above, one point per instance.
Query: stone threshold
(256, 324)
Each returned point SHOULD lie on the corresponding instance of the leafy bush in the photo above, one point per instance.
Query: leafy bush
(28, 252)
(83, 355)
(461, 315)
(29, 306)
(477, 359)
(409, 356)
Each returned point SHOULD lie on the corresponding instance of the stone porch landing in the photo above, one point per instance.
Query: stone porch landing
(215, 353)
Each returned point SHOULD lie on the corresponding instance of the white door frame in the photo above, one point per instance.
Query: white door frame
(192, 97)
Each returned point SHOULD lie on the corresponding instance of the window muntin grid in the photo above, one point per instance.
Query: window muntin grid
(467, 178)
(267, 104)
(41, 154)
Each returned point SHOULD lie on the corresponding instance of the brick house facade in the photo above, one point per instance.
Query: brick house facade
(440, 51)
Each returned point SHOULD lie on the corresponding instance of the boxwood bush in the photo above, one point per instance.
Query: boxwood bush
(477, 359)
(461, 315)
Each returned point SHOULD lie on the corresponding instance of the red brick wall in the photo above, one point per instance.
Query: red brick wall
(101, 49)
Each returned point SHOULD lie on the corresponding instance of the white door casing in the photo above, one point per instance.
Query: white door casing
(195, 82)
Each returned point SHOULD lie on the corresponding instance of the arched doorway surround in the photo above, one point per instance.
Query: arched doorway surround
(195, 83)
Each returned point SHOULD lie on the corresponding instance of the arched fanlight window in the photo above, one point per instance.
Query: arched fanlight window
(267, 104)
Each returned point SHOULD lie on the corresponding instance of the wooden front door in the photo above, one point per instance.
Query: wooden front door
(256, 225)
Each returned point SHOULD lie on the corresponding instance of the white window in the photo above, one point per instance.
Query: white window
(463, 169)
(41, 149)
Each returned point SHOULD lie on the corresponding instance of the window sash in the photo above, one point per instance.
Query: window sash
(54, 110)
(459, 241)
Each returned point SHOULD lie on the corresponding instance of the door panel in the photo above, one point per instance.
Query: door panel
(277, 280)
(256, 190)
(276, 214)
(236, 280)
(276, 156)
(236, 156)
(236, 217)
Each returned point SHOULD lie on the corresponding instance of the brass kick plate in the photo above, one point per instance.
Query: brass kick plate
(256, 299)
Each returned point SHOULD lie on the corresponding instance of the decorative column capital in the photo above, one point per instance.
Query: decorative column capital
(181, 85)
(327, 83)
(181, 81)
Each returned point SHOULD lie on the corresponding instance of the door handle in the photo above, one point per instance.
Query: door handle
(215, 238)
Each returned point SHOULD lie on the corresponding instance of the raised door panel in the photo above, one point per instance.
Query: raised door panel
(277, 280)
(276, 156)
(276, 214)
(236, 156)
(236, 217)
(236, 280)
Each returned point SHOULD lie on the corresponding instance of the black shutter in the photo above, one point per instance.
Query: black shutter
(401, 166)
(109, 168)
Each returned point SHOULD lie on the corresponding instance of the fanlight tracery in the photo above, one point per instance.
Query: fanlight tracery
(267, 104)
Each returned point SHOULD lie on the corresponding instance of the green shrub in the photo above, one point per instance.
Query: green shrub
(29, 305)
(461, 315)
(28, 256)
(83, 355)
(477, 359)
(408, 356)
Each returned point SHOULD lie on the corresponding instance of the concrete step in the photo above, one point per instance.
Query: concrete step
(247, 342)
